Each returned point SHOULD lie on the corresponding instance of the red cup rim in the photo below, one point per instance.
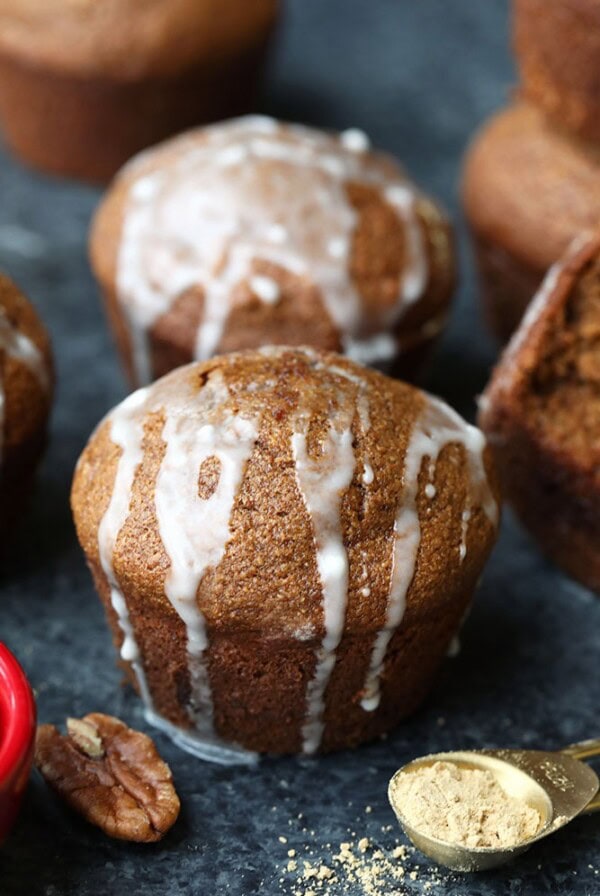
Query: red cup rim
(17, 714)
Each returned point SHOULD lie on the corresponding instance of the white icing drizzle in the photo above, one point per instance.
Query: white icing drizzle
(377, 349)
(355, 140)
(322, 482)
(251, 190)
(208, 749)
(20, 347)
(266, 289)
(464, 529)
(437, 426)
(414, 276)
(195, 530)
(127, 432)
(368, 475)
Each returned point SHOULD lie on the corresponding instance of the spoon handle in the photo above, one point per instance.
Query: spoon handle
(585, 750)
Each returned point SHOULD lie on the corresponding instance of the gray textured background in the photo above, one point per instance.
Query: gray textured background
(418, 76)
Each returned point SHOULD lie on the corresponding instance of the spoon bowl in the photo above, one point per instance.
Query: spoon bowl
(558, 785)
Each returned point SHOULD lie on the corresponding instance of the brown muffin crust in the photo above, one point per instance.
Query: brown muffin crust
(541, 413)
(26, 378)
(73, 73)
(373, 264)
(527, 190)
(557, 46)
(263, 603)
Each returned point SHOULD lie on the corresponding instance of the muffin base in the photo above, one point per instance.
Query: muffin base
(409, 364)
(88, 127)
(259, 683)
(558, 505)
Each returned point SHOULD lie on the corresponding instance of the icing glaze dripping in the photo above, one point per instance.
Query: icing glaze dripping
(211, 750)
(322, 482)
(253, 190)
(464, 529)
(266, 289)
(127, 432)
(355, 140)
(228, 439)
(195, 530)
(437, 426)
(17, 345)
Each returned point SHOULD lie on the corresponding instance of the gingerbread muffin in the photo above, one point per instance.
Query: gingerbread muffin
(541, 413)
(528, 190)
(26, 380)
(252, 232)
(285, 543)
(558, 53)
(84, 85)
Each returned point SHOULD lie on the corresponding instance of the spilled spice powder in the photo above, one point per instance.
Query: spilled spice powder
(358, 866)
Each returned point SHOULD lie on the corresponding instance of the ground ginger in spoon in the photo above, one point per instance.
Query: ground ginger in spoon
(464, 806)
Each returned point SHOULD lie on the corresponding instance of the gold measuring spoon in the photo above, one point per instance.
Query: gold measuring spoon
(557, 784)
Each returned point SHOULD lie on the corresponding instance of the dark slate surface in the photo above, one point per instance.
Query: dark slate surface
(418, 77)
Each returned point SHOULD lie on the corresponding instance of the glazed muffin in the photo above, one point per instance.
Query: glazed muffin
(84, 85)
(26, 381)
(558, 53)
(528, 190)
(285, 543)
(541, 412)
(252, 232)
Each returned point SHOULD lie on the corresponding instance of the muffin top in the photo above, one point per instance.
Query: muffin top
(26, 365)
(285, 492)
(253, 212)
(129, 39)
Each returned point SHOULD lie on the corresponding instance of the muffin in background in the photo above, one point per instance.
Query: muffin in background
(541, 414)
(251, 232)
(85, 85)
(557, 48)
(26, 387)
(285, 544)
(528, 190)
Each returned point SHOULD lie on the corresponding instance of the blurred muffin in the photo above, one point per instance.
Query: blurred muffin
(541, 413)
(558, 53)
(285, 543)
(528, 190)
(84, 85)
(26, 382)
(252, 232)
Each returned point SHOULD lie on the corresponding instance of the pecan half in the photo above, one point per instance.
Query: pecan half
(110, 774)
